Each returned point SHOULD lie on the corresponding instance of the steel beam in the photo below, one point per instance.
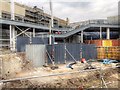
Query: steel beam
(22, 32)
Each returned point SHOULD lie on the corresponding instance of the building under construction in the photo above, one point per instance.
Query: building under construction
(42, 43)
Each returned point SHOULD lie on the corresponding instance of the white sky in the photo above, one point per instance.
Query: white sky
(77, 10)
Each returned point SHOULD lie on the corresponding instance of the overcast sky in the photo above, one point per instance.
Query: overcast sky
(77, 10)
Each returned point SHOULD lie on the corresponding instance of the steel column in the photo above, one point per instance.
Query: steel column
(81, 36)
(51, 24)
(33, 32)
(12, 38)
(12, 10)
(108, 33)
(100, 32)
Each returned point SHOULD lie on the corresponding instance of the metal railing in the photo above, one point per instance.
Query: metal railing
(97, 21)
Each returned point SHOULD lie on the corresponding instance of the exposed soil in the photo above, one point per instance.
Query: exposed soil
(77, 80)
(71, 81)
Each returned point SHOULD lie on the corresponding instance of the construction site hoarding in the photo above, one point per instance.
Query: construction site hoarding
(63, 53)
(36, 54)
(40, 54)
(23, 41)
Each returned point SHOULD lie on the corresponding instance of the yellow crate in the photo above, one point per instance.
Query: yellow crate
(106, 43)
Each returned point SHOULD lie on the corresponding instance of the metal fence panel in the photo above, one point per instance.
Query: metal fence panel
(59, 53)
(49, 50)
(38, 40)
(37, 54)
(74, 50)
(56, 52)
(89, 51)
(21, 42)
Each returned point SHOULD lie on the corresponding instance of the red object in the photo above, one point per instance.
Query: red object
(55, 32)
(83, 60)
(115, 42)
(58, 32)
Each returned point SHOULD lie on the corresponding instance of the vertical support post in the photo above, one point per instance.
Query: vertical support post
(12, 28)
(51, 24)
(50, 36)
(53, 55)
(12, 10)
(51, 14)
(81, 51)
(12, 38)
(30, 38)
(108, 33)
(81, 36)
(53, 39)
(100, 32)
(65, 56)
(33, 32)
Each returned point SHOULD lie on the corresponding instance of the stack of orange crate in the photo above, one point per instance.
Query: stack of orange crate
(107, 48)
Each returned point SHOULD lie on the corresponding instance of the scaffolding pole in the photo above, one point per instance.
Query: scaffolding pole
(51, 24)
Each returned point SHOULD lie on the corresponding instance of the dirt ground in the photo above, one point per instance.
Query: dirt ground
(80, 79)
(91, 80)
